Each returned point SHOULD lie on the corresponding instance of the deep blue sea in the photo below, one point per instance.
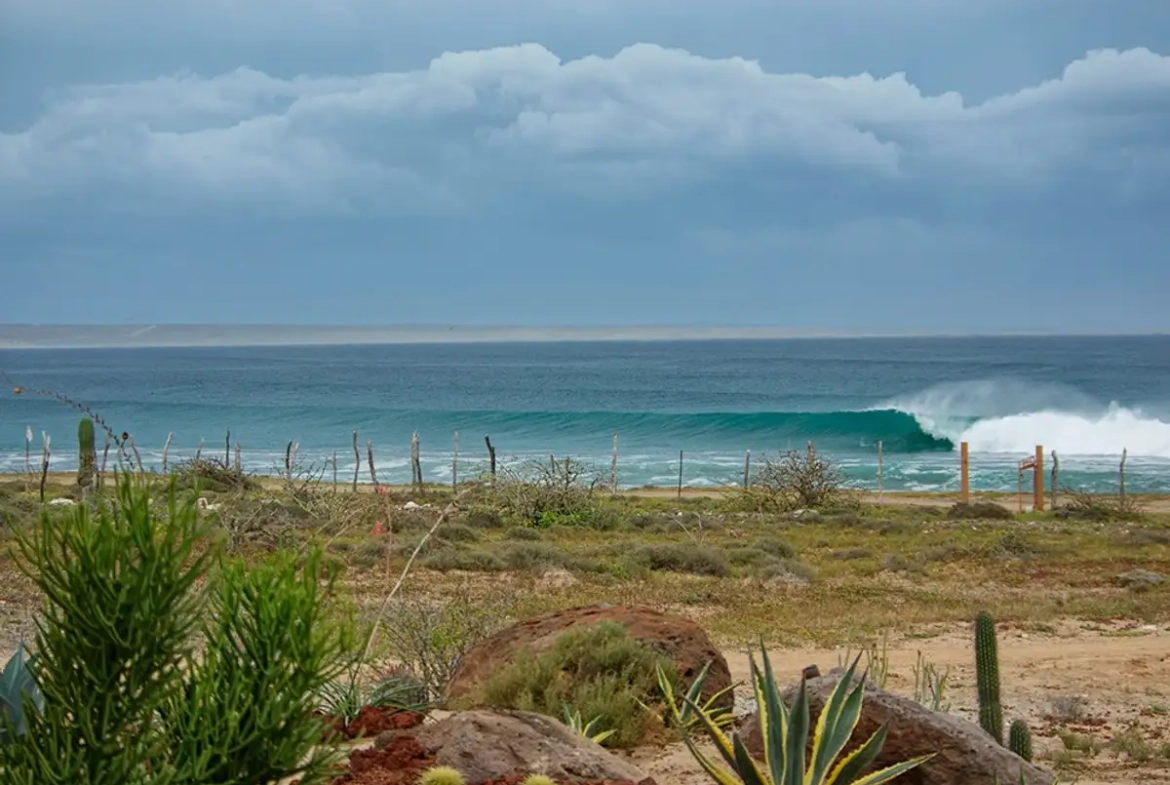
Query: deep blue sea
(1087, 398)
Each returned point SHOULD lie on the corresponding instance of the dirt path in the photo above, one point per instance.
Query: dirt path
(1115, 676)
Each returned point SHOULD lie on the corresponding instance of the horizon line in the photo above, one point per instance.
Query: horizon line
(210, 335)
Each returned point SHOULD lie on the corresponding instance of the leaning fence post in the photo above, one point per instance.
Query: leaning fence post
(491, 456)
(415, 463)
(370, 457)
(46, 453)
(357, 461)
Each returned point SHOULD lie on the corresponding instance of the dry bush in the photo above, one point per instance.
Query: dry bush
(547, 493)
(795, 481)
(430, 637)
(212, 474)
(1099, 507)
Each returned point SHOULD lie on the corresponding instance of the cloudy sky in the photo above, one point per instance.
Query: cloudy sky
(844, 164)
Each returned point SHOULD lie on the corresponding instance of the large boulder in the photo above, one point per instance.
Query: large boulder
(966, 754)
(675, 637)
(488, 745)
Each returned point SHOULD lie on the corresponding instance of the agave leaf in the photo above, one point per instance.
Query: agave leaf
(774, 722)
(849, 768)
(797, 735)
(890, 772)
(835, 726)
(746, 767)
(722, 743)
(721, 775)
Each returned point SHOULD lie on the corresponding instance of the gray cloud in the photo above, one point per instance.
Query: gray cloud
(464, 131)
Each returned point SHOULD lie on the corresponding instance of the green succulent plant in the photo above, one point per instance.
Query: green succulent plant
(574, 721)
(441, 775)
(538, 779)
(785, 736)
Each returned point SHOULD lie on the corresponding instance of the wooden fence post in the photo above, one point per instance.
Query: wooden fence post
(455, 465)
(1038, 480)
(1121, 475)
(166, 449)
(357, 461)
(680, 472)
(491, 456)
(370, 458)
(28, 436)
(239, 459)
(964, 474)
(415, 463)
(1055, 478)
(613, 466)
(335, 471)
(881, 457)
(101, 479)
(227, 449)
(747, 470)
(46, 453)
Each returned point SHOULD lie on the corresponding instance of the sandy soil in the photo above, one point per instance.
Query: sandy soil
(1122, 673)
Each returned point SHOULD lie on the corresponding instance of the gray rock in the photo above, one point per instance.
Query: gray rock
(488, 744)
(966, 755)
(1140, 579)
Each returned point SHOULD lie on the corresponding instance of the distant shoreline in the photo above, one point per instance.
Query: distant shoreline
(25, 337)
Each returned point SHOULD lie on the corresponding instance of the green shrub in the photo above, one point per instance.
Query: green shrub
(682, 557)
(522, 533)
(468, 560)
(459, 532)
(532, 556)
(126, 699)
(599, 672)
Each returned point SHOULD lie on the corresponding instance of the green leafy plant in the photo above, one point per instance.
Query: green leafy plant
(18, 691)
(930, 685)
(722, 717)
(127, 587)
(573, 720)
(785, 736)
(601, 671)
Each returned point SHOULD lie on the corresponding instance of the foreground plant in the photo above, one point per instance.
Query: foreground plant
(18, 694)
(785, 736)
(126, 699)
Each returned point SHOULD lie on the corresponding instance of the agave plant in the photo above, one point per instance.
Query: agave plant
(785, 737)
(16, 682)
(574, 721)
(709, 707)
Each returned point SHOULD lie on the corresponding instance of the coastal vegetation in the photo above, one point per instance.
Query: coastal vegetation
(370, 600)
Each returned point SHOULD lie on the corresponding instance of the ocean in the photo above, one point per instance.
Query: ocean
(1087, 398)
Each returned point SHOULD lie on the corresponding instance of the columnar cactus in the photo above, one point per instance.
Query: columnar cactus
(987, 676)
(1020, 740)
(87, 454)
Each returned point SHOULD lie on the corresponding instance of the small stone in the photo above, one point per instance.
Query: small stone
(61, 503)
(1140, 579)
(410, 506)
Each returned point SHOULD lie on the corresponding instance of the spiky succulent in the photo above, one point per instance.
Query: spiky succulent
(441, 775)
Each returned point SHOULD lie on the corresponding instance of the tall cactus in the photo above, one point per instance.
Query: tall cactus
(987, 676)
(87, 454)
(1020, 739)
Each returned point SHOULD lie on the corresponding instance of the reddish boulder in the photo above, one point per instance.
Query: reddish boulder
(966, 755)
(675, 637)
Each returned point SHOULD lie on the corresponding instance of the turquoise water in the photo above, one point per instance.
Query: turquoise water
(1086, 398)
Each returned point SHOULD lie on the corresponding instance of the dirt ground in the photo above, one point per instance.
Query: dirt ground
(1094, 679)
(1121, 673)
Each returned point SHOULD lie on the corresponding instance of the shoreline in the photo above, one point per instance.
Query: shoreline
(1154, 502)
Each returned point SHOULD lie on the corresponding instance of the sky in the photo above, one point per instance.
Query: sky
(856, 165)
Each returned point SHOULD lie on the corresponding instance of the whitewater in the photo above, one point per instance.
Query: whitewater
(1087, 399)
